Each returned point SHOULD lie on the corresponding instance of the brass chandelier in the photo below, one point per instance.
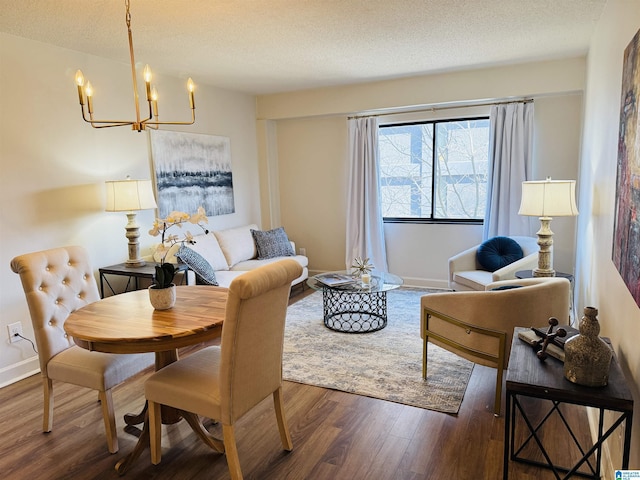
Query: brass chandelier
(85, 95)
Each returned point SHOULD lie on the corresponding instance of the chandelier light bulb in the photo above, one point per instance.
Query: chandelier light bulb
(190, 85)
(79, 78)
(154, 94)
(147, 73)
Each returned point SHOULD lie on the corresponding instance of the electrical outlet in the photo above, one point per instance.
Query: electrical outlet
(15, 329)
(303, 251)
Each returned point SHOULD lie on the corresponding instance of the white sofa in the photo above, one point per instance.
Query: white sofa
(466, 273)
(231, 253)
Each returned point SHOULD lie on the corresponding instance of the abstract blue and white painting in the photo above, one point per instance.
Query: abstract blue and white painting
(192, 170)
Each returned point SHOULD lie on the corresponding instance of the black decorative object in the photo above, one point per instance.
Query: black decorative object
(548, 337)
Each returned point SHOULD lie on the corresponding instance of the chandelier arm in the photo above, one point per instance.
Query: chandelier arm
(193, 120)
(150, 124)
(111, 123)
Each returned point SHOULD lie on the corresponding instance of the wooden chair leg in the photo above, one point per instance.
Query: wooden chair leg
(231, 450)
(108, 415)
(285, 437)
(47, 417)
(155, 432)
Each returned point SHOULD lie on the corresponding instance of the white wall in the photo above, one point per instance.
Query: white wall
(598, 282)
(309, 137)
(54, 165)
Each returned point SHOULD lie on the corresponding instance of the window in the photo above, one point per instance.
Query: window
(434, 171)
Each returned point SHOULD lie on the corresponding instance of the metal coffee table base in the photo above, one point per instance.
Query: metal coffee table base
(354, 311)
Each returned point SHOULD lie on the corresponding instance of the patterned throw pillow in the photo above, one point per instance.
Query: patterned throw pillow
(272, 243)
(205, 275)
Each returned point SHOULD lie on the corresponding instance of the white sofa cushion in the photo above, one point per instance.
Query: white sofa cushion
(207, 246)
(225, 277)
(255, 263)
(237, 243)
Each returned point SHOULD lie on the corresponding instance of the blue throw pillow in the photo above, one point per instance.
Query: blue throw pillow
(498, 252)
(205, 275)
(272, 243)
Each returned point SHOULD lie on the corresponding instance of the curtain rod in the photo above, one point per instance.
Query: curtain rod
(437, 108)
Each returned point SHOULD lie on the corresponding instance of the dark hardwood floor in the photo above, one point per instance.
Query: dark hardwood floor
(336, 435)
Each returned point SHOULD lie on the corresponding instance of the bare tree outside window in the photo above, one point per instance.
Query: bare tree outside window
(434, 177)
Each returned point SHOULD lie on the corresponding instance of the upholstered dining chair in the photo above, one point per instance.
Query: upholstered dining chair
(479, 326)
(224, 382)
(57, 282)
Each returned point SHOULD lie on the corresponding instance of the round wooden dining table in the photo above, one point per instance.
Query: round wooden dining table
(127, 323)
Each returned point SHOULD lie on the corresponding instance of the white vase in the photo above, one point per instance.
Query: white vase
(162, 298)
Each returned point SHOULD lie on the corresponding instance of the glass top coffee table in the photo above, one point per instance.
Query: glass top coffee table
(354, 307)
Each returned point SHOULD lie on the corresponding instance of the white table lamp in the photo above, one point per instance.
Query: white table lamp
(129, 196)
(546, 199)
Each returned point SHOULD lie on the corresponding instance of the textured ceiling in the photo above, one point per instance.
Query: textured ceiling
(267, 46)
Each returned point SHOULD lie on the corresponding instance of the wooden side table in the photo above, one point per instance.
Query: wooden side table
(529, 274)
(134, 275)
(529, 377)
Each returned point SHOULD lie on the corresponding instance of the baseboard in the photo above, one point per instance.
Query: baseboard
(18, 371)
(426, 283)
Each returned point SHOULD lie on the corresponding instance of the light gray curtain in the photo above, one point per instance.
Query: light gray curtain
(365, 232)
(510, 163)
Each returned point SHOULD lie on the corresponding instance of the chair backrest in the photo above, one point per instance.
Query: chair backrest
(501, 310)
(253, 336)
(529, 245)
(56, 282)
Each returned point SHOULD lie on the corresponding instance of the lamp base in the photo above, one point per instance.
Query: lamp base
(135, 263)
(133, 233)
(543, 273)
(545, 254)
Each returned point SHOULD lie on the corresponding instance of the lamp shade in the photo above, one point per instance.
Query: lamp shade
(549, 198)
(129, 195)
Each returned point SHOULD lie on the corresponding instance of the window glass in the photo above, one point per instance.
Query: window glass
(434, 170)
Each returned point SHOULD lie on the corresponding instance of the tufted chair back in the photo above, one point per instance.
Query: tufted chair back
(56, 282)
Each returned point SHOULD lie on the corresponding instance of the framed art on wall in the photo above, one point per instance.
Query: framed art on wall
(192, 170)
(626, 228)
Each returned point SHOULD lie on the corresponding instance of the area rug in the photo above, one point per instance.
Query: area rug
(386, 364)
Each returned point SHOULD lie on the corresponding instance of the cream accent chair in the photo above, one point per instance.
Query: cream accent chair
(57, 282)
(479, 325)
(465, 273)
(224, 382)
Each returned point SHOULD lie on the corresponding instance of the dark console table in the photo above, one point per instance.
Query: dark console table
(529, 377)
(134, 275)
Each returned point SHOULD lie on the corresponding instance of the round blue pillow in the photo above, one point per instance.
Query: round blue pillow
(498, 252)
